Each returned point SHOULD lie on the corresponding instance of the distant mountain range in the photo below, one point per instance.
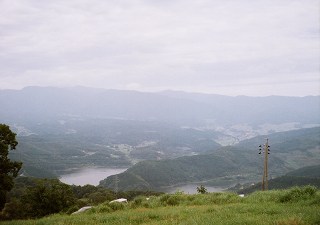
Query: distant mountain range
(65, 129)
(46, 103)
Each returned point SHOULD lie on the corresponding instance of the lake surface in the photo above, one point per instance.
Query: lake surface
(94, 175)
(89, 176)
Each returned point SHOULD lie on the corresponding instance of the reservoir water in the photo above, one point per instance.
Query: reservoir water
(89, 175)
(94, 175)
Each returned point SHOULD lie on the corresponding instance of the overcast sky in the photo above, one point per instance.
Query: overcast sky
(239, 47)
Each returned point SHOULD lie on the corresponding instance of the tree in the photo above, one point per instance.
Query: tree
(8, 169)
(201, 189)
(48, 196)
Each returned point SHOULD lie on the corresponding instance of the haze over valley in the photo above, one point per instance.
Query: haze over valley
(65, 130)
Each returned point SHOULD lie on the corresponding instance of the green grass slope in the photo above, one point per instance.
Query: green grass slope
(299, 206)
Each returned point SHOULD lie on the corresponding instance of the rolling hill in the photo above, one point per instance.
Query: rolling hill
(229, 163)
(309, 175)
(308, 171)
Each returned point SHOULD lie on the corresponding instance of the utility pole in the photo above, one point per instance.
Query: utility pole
(266, 152)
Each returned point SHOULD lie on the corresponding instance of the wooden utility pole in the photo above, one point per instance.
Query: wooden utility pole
(265, 166)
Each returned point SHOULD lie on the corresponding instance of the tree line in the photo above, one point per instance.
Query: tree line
(27, 197)
(35, 198)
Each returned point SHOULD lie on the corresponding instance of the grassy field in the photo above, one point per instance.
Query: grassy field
(287, 207)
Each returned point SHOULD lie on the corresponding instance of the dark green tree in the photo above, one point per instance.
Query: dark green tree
(48, 196)
(8, 169)
(201, 189)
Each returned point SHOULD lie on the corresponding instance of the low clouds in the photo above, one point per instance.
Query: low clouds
(226, 47)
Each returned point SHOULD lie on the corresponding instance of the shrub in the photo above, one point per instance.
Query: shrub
(224, 198)
(116, 206)
(137, 201)
(164, 199)
(191, 197)
(104, 209)
(298, 194)
(171, 199)
(315, 200)
(264, 196)
(72, 209)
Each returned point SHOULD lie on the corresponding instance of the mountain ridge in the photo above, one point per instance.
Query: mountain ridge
(190, 108)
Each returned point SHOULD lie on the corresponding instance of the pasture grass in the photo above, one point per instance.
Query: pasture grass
(296, 206)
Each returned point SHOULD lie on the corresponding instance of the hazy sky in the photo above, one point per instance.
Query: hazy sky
(239, 47)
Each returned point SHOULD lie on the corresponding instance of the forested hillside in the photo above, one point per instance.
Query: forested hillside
(50, 151)
(226, 165)
(308, 171)
(309, 175)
